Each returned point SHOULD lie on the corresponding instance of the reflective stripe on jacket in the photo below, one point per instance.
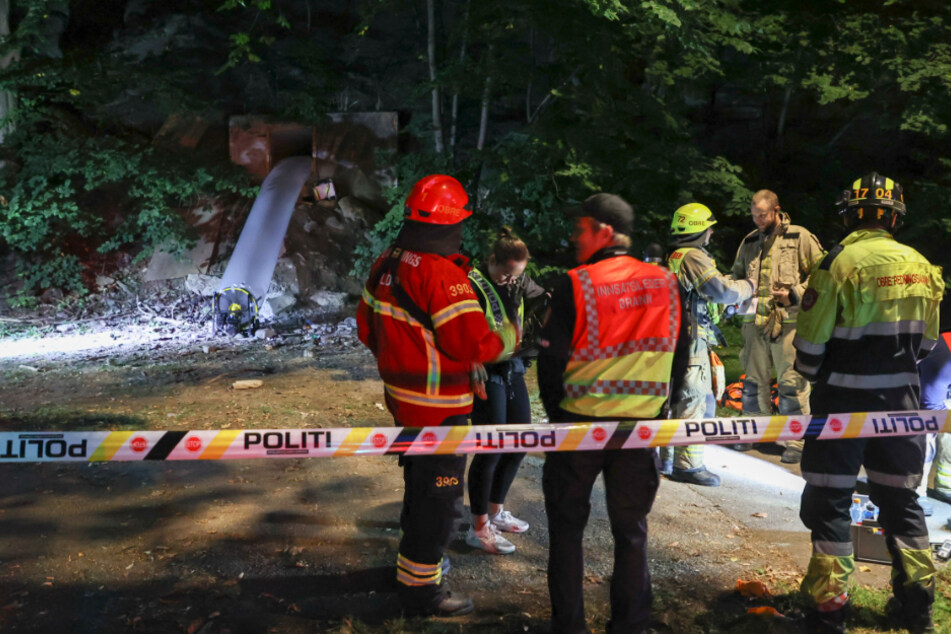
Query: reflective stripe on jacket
(495, 313)
(425, 371)
(624, 338)
(869, 313)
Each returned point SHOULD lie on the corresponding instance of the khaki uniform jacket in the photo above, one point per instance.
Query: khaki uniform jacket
(791, 252)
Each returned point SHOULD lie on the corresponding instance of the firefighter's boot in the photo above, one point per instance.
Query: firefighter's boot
(700, 477)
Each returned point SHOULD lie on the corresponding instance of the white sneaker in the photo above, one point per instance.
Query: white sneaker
(508, 523)
(489, 540)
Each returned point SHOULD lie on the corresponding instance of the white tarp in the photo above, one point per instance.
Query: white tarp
(252, 263)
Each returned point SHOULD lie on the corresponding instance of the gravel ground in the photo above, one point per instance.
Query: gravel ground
(303, 545)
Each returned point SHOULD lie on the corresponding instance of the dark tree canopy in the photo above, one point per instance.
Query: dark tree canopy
(539, 104)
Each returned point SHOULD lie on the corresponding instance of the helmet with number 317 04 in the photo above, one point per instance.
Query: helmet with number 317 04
(437, 199)
(872, 198)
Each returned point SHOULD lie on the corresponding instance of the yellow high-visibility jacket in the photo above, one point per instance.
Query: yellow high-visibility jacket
(869, 313)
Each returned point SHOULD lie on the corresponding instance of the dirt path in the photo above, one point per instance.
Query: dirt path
(295, 545)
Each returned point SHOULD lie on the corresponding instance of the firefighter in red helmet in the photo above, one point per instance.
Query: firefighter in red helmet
(423, 322)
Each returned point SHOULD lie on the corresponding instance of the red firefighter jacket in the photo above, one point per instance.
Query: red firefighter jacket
(425, 367)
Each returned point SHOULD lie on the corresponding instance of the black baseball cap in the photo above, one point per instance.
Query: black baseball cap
(654, 253)
(609, 209)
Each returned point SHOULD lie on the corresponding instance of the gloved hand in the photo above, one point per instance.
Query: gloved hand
(773, 328)
(781, 295)
(477, 378)
(510, 338)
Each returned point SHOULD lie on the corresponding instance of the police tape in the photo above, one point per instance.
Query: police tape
(229, 444)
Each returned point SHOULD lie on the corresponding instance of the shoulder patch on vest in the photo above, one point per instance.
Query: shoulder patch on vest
(792, 236)
(809, 298)
(831, 255)
(753, 237)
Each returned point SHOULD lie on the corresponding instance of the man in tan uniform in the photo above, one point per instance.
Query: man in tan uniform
(778, 256)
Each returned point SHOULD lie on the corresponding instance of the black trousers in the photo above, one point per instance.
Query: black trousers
(894, 468)
(432, 507)
(491, 475)
(631, 481)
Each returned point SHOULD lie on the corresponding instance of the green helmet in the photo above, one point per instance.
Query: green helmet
(692, 218)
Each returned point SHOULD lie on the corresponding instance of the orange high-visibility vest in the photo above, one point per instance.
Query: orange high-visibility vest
(628, 318)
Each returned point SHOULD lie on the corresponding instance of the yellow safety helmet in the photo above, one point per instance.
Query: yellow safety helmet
(692, 218)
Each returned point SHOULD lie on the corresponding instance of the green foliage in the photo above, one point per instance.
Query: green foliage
(31, 33)
(730, 353)
(636, 97)
(832, 88)
(230, 5)
(24, 300)
(608, 9)
(63, 272)
(663, 13)
(55, 198)
(598, 130)
(527, 189)
(519, 192)
(245, 46)
(407, 170)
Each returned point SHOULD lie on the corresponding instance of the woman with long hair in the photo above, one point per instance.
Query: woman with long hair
(502, 288)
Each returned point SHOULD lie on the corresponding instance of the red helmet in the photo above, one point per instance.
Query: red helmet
(437, 199)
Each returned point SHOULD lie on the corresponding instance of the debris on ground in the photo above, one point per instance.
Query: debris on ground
(754, 588)
(249, 384)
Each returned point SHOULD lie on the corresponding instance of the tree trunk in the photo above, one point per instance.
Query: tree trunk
(431, 51)
(455, 94)
(7, 98)
(838, 135)
(452, 127)
(781, 126)
(528, 89)
(486, 91)
(550, 94)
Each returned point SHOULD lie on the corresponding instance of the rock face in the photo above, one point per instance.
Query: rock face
(321, 241)
(313, 270)
(344, 148)
(166, 266)
(312, 275)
